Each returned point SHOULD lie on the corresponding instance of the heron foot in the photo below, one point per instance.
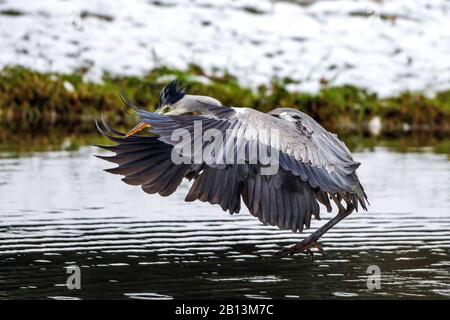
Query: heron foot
(302, 247)
(311, 241)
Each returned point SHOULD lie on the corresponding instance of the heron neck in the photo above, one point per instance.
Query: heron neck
(197, 103)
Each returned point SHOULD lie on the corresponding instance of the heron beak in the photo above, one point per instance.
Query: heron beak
(162, 110)
(139, 127)
(172, 113)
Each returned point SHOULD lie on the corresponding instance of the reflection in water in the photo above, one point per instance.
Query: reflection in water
(59, 209)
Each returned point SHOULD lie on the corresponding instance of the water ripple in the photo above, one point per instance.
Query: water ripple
(132, 245)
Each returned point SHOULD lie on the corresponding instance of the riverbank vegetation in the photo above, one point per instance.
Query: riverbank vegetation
(35, 104)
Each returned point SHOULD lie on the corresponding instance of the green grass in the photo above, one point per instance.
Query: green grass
(33, 102)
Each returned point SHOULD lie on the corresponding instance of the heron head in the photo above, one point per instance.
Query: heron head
(174, 101)
(170, 97)
(287, 114)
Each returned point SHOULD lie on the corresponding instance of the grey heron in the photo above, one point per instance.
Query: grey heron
(314, 165)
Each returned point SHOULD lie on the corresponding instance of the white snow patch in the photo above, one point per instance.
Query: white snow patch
(385, 46)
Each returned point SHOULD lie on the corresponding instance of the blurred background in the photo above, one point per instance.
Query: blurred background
(377, 72)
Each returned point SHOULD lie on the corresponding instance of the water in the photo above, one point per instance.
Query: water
(59, 209)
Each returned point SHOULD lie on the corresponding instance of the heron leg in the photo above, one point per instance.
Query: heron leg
(311, 241)
(338, 203)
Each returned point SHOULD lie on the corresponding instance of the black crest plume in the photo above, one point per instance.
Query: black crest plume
(171, 94)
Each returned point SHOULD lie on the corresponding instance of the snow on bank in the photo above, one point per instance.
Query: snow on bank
(386, 46)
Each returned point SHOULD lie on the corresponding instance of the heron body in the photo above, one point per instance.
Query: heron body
(313, 166)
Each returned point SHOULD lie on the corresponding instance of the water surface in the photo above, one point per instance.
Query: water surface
(60, 209)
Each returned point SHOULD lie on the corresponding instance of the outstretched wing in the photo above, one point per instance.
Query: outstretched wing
(309, 152)
(313, 163)
(280, 200)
